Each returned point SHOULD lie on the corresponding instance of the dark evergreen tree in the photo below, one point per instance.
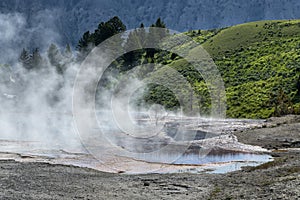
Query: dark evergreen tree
(85, 41)
(104, 31)
(85, 45)
(68, 52)
(55, 58)
(136, 40)
(142, 34)
(25, 58)
(131, 57)
(159, 23)
(36, 60)
(31, 61)
(107, 29)
(155, 36)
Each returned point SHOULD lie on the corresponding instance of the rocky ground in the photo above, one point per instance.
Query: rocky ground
(279, 179)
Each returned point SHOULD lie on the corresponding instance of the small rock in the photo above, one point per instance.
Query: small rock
(146, 184)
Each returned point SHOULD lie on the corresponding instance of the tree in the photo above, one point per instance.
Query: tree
(31, 61)
(55, 57)
(85, 45)
(104, 31)
(24, 57)
(36, 60)
(298, 85)
(159, 23)
(155, 36)
(142, 34)
(68, 52)
(107, 29)
(136, 40)
(283, 105)
(85, 41)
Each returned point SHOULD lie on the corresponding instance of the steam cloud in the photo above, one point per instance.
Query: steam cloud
(35, 105)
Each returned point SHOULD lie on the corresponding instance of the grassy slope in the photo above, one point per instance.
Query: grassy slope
(245, 35)
(260, 65)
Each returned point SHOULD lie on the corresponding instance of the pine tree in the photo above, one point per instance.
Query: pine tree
(85, 42)
(36, 60)
(283, 103)
(68, 52)
(31, 61)
(24, 58)
(55, 58)
(104, 31)
(159, 23)
(85, 45)
(142, 34)
(155, 36)
(108, 29)
(131, 57)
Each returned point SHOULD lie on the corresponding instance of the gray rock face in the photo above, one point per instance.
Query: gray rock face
(70, 18)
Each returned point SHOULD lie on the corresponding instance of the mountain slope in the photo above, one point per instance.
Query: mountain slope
(260, 65)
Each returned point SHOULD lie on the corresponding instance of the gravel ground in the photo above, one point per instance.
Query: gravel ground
(279, 179)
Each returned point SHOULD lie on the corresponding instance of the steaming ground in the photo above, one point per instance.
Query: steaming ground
(279, 179)
(37, 126)
(37, 130)
(35, 106)
(220, 151)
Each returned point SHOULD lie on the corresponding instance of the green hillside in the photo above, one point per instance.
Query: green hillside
(260, 65)
(258, 61)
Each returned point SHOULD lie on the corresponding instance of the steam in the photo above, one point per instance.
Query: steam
(15, 33)
(11, 26)
(35, 105)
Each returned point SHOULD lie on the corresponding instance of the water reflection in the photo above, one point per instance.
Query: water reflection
(221, 158)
